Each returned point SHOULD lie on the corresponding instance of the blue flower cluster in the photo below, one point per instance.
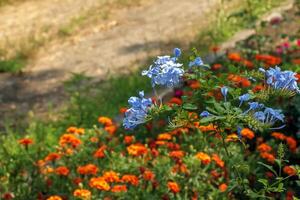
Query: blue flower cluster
(197, 62)
(138, 111)
(165, 70)
(267, 116)
(281, 79)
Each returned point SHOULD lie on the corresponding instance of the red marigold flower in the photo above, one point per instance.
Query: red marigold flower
(234, 57)
(99, 183)
(289, 170)
(52, 157)
(247, 133)
(62, 170)
(128, 139)
(82, 193)
(269, 157)
(25, 141)
(278, 136)
(248, 63)
(100, 152)
(8, 196)
(148, 175)
(258, 88)
(132, 179)
(106, 121)
(111, 177)
(223, 187)
(119, 188)
(194, 85)
(216, 66)
(175, 100)
(111, 129)
(137, 149)
(264, 148)
(173, 187)
(203, 157)
(89, 169)
(292, 143)
(123, 110)
(218, 160)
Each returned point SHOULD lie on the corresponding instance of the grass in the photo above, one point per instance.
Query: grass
(13, 65)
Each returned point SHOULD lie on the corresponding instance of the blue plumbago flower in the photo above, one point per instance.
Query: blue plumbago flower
(205, 114)
(138, 111)
(224, 91)
(269, 116)
(254, 106)
(243, 98)
(165, 70)
(177, 52)
(197, 62)
(281, 79)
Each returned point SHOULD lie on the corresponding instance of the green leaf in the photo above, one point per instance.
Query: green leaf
(189, 106)
(268, 167)
(264, 182)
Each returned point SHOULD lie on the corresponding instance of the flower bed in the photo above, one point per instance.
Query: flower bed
(228, 132)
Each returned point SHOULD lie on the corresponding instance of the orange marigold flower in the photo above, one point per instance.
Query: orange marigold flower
(69, 139)
(173, 187)
(54, 197)
(111, 177)
(119, 188)
(111, 129)
(132, 179)
(231, 137)
(94, 139)
(180, 168)
(100, 152)
(278, 136)
(105, 121)
(215, 174)
(268, 59)
(264, 148)
(297, 75)
(25, 141)
(148, 175)
(203, 157)
(218, 160)
(292, 143)
(207, 128)
(291, 171)
(80, 131)
(89, 169)
(247, 133)
(72, 129)
(82, 193)
(99, 183)
(137, 149)
(62, 170)
(269, 157)
(176, 154)
(52, 157)
(164, 136)
(234, 57)
(223, 187)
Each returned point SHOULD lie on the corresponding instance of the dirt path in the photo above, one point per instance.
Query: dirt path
(119, 44)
